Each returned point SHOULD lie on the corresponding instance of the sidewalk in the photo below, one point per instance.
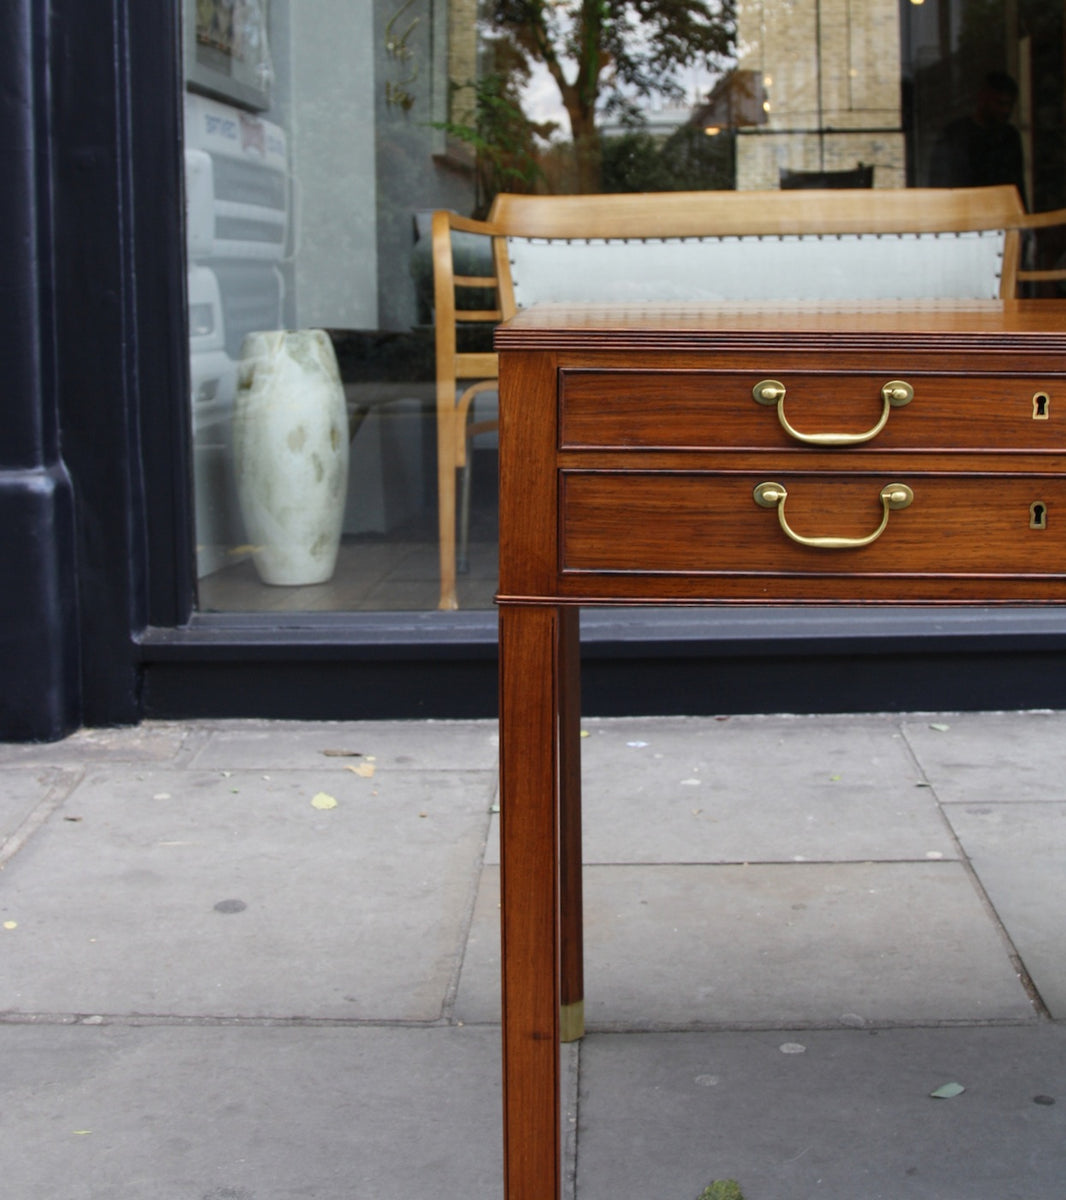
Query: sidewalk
(248, 960)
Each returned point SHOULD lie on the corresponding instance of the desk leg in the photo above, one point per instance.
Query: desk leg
(572, 1014)
(530, 641)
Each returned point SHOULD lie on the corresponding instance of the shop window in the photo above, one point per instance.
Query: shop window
(321, 134)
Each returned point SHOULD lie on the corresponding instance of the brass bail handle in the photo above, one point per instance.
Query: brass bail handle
(893, 496)
(894, 394)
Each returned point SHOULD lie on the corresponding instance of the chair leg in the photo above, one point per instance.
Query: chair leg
(462, 563)
(446, 511)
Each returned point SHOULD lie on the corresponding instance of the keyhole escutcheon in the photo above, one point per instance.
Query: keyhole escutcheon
(1038, 515)
(1041, 406)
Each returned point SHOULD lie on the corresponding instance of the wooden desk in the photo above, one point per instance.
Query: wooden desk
(693, 455)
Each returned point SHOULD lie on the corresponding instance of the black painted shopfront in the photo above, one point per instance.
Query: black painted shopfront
(107, 613)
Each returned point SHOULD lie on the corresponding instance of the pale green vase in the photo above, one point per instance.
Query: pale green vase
(290, 444)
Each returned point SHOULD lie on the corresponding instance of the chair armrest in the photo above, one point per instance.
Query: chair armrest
(1042, 220)
(464, 224)
(1034, 223)
(444, 224)
(445, 281)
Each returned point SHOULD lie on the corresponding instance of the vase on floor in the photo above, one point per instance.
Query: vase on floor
(290, 444)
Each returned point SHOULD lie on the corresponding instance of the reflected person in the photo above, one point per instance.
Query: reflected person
(983, 148)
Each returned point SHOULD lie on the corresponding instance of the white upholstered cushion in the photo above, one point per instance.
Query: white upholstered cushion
(945, 266)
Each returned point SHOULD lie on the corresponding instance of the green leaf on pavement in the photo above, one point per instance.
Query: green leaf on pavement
(722, 1189)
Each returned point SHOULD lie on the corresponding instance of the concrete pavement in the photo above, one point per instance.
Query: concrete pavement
(259, 961)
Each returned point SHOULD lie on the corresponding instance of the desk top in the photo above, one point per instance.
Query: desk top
(944, 324)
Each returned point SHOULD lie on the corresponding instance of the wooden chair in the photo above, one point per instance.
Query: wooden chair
(737, 247)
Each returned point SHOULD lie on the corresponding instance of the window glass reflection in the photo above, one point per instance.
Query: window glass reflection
(320, 135)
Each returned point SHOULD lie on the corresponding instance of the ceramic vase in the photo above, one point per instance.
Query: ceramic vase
(290, 444)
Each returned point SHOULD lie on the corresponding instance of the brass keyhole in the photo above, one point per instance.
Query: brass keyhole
(1041, 406)
(1038, 515)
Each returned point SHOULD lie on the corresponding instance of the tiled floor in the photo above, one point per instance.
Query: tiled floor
(372, 575)
(394, 572)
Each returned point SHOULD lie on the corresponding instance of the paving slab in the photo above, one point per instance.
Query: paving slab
(804, 944)
(998, 757)
(847, 1117)
(208, 893)
(1018, 851)
(762, 789)
(304, 745)
(154, 741)
(250, 1113)
(24, 790)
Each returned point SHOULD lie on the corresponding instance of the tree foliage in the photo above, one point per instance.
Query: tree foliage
(607, 54)
(688, 160)
(502, 138)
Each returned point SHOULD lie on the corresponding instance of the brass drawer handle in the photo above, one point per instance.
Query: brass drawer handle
(895, 394)
(774, 495)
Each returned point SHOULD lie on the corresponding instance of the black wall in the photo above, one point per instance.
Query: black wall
(93, 294)
(39, 647)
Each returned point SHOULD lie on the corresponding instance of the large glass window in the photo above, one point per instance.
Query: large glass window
(321, 134)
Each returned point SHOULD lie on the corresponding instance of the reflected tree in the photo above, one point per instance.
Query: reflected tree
(688, 160)
(503, 139)
(606, 55)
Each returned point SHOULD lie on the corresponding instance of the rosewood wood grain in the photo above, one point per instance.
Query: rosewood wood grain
(940, 327)
(654, 408)
(706, 523)
(571, 949)
(530, 644)
(630, 449)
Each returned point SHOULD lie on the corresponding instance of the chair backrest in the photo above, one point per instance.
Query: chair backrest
(879, 244)
(885, 244)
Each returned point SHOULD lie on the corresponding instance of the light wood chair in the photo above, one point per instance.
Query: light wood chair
(737, 247)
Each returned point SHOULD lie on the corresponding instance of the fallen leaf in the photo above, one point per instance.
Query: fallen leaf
(363, 770)
(947, 1091)
(722, 1189)
(940, 728)
(321, 800)
(11, 924)
(585, 733)
(343, 753)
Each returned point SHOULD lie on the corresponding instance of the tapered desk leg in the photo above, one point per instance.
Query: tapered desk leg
(572, 1011)
(530, 639)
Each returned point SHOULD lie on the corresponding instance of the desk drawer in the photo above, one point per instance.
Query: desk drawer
(709, 522)
(696, 409)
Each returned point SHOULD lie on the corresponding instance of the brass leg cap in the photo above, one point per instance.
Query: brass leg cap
(572, 1021)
